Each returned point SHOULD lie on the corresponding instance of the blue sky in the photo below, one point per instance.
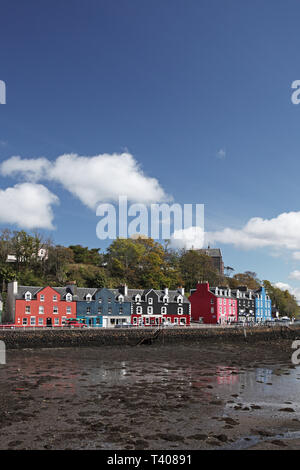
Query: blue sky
(197, 92)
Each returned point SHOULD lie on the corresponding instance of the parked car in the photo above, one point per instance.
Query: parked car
(75, 324)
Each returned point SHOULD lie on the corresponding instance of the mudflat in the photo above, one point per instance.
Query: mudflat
(185, 396)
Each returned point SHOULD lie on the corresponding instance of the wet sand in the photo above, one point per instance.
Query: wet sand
(185, 397)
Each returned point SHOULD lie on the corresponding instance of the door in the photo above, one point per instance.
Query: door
(49, 321)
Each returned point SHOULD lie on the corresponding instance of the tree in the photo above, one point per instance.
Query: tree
(196, 266)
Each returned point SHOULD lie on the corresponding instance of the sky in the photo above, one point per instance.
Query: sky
(179, 101)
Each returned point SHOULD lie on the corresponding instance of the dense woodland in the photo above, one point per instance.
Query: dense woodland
(138, 262)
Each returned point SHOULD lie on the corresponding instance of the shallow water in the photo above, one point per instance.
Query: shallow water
(151, 397)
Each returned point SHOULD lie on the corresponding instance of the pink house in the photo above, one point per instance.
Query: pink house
(213, 304)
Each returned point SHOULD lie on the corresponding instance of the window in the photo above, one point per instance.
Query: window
(69, 310)
(179, 299)
(32, 321)
(100, 300)
(134, 320)
(41, 310)
(211, 301)
(109, 310)
(176, 320)
(137, 298)
(212, 310)
(99, 310)
(69, 297)
(56, 321)
(55, 310)
(28, 296)
(41, 321)
(139, 310)
(42, 298)
(150, 310)
(147, 321)
(24, 321)
(150, 301)
(88, 310)
(163, 310)
(180, 310)
(55, 298)
(121, 310)
(166, 299)
(109, 300)
(63, 320)
(27, 309)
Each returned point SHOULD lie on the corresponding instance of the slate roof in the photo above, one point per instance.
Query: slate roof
(81, 293)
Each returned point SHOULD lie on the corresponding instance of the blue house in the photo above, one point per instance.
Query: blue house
(263, 306)
(102, 307)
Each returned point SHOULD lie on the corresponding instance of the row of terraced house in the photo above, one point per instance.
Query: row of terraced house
(103, 307)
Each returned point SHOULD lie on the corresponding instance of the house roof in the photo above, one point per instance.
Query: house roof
(81, 293)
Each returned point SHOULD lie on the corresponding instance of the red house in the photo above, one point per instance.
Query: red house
(40, 306)
(213, 304)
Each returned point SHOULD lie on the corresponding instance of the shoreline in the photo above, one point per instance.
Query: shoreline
(37, 339)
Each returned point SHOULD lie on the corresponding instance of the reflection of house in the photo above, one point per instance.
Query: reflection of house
(213, 304)
(216, 256)
(245, 303)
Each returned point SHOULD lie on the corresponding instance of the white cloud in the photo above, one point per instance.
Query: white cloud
(296, 255)
(282, 231)
(292, 290)
(100, 178)
(189, 238)
(27, 205)
(29, 168)
(295, 275)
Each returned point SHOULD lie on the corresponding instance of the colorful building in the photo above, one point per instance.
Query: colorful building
(263, 305)
(38, 306)
(214, 305)
(150, 307)
(103, 307)
(245, 304)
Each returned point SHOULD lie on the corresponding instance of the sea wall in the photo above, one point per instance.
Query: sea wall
(19, 339)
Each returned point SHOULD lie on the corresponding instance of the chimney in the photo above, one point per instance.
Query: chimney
(15, 287)
(181, 290)
(124, 289)
(166, 289)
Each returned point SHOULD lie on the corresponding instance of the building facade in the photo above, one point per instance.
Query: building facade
(150, 307)
(263, 305)
(38, 306)
(245, 304)
(216, 257)
(214, 305)
(103, 307)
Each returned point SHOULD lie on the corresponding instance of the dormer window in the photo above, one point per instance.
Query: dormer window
(69, 297)
(137, 298)
(88, 297)
(28, 296)
(121, 298)
(166, 299)
(179, 299)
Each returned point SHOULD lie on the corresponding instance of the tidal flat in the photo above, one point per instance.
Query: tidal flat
(184, 396)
